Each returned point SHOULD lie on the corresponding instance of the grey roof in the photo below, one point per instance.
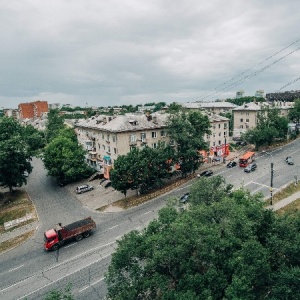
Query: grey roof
(248, 106)
(123, 123)
(206, 105)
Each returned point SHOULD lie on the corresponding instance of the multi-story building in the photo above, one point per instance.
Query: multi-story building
(107, 137)
(245, 117)
(11, 113)
(212, 107)
(32, 109)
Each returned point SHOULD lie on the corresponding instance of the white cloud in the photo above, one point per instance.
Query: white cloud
(113, 52)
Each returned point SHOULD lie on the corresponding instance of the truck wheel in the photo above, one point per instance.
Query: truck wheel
(86, 234)
(54, 248)
(79, 237)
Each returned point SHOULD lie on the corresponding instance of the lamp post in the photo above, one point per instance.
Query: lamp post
(272, 175)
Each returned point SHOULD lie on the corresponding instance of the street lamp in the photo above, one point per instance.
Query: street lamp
(272, 175)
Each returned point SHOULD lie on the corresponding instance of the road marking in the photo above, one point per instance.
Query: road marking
(70, 245)
(148, 212)
(16, 268)
(112, 227)
(85, 288)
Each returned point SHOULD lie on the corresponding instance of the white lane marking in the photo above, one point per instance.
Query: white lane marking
(148, 212)
(70, 245)
(85, 288)
(16, 268)
(69, 274)
(113, 227)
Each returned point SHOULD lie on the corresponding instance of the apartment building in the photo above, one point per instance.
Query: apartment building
(245, 117)
(32, 109)
(210, 107)
(107, 137)
(218, 139)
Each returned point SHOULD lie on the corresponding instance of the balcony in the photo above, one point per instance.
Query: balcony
(132, 143)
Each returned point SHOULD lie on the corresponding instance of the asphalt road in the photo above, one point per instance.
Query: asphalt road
(28, 271)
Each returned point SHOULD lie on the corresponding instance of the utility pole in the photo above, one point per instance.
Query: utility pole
(271, 189)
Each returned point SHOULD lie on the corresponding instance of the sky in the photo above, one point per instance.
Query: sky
(112, 53)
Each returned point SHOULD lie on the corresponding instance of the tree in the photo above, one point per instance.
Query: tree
(187, 129)
(54, 124)
(15, 154)
(294, 112)
(33, 138)
(65, 159)
(60, 294)
(215, 251)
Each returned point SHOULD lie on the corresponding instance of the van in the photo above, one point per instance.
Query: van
(83, 188)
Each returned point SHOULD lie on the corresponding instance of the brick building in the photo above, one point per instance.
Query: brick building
(32, 110)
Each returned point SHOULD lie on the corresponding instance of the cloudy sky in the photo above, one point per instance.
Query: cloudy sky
(104, 53)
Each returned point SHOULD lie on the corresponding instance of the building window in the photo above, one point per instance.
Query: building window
(247, 120)
(132, 148)
(103, 146)
(242, 120)
(154, 134)
(132, 138)
(107, 137)
(115, 150)
(247, 126)
(208, 136)
(219, 133)
(114, 138)
(241, 126)
(143, 136)
(154, 145)
(162, 133)
(99, 146)
(214, 143)
(214, 135)
(219, 142)
(102, 135)
(108, 149)
(225, 125)
(247, 114)
(163, 144)
(225, 133)
(219, 126)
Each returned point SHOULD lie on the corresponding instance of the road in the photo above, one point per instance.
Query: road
(28, 271)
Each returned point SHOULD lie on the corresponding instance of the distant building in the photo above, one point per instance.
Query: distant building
(11, 113)
(54, 106)
(260, 94)
(213, 107)
(32, 109)
(240, 94)
(283, 96)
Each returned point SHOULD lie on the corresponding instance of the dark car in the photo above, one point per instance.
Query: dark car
(241, 143)
(250, 168)
(206, 173)
(289, 160)
(107, 184)
(84, 188)
(231, 164)
(184, 198)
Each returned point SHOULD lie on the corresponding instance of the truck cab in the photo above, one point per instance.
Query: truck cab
(51, 239)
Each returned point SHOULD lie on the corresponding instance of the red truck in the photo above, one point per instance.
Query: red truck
(56, 237)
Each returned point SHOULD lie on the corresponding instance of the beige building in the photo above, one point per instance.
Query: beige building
(245, 117)
(212, 107)
(107, 137)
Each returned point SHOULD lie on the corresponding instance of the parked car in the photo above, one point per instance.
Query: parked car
(184, 198)
(241, 143)
(84, 188)
(289, 160)
(107, 184)
(250, 168)
(231, 164)
(217, 159)
(206, 173)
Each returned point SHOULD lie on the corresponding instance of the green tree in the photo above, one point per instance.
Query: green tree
(15, 154)
(34, 138)
(294, 112)
(64, 158)
(60, 294)
(54, 124)
(215, 251)
(187, 129)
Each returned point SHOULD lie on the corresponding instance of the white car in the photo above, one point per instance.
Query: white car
(84, 188)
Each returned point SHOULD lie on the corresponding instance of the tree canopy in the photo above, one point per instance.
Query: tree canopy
(187, 129)
(15, 154)
(64, 158)
(294, 112)
(230, 248)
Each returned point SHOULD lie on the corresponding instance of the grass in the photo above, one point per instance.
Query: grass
(13, 207)
(16, 241)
